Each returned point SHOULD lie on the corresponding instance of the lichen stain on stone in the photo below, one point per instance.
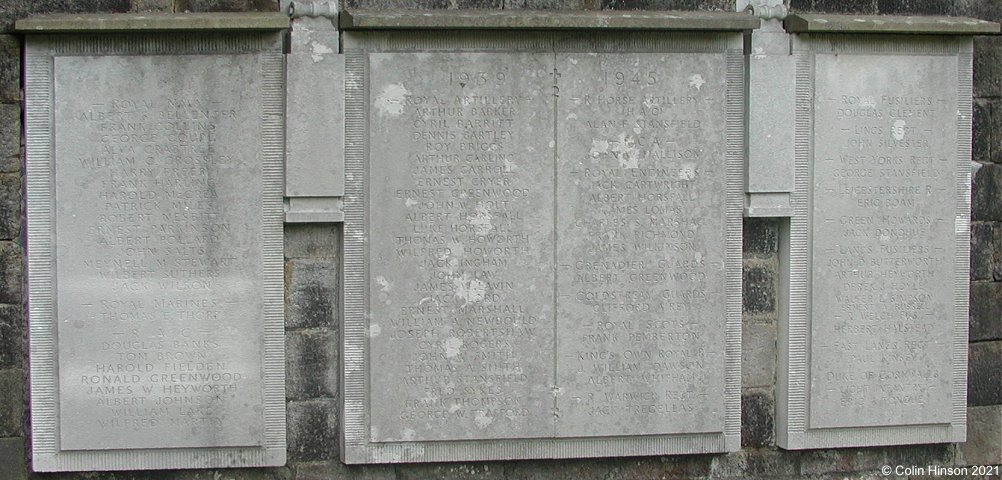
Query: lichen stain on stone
(482, 421)
(696, 81)
(469, 291)
(384, 284)
(687, 171)
(390, 101)
(626, 151)
(375, 330)
(452, 347)
(319, 51)
(481, 221)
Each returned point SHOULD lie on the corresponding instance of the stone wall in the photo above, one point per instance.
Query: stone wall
(312, 323)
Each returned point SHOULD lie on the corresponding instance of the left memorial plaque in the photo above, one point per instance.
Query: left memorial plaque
(155, 250)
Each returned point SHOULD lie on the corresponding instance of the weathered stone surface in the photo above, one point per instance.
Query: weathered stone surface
(311, 361)
(335, 470)
(983, 243)
(985, 194)
(312, 293)
(11, 257)
(915, 7)
(530, 19)
(984, 9)
(753, 464)
(719, 5)
(142, 6)
(760, 237)
(835, 6)
(984, 374)
(12, 385)
(759, 285)
(987, 66)
(10, 66)
(548, 4)
(887, 24)
(984, 436)
(758, 355)
(225, 6)
(13, 465)
(10, 136)
(141, 22)
(15, 9)
(821, 462)
(422, 4)
(312, 240)
(986, 311)
(11, 336)
(312, 430)
(452, 471)
(758, 410)
(985, 136)
(10, 205)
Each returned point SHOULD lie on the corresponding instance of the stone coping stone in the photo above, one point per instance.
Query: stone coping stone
(545, 20)
(72, 23)
(811, 23)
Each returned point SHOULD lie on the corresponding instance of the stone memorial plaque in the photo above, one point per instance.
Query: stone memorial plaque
(877, 344)
(155, 252)
(542, 245)
(642, 240)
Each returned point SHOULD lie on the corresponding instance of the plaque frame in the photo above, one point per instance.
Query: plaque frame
(356, 447)
(794, 368)
(40, 52)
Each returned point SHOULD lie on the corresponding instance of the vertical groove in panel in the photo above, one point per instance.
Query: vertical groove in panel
(799, 239)
(40, 254)
(354, 264)
(965, 93)
(272, 158)
(734, 177)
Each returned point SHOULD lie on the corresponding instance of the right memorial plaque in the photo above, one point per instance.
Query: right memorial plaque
(875, 340)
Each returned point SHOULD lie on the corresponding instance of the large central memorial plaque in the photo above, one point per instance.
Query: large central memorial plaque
(875, 345)
(155, 252)
(542, 245)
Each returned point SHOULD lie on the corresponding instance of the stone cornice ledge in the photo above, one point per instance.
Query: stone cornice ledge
(126, 22)
(545, 20)
(822, 23)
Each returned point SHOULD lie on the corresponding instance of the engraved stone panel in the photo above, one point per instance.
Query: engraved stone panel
(542, 246)
(881, 238)
(155, 253)
(641, 243)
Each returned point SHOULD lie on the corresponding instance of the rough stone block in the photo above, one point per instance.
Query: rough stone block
(10, 137)
(424, 4)
(985, 194)
(923, 455)
(10, 65)
(12, 383)
(987, 66)
(914, 7)
(984, 436)
(984, 374)
(452, 471)
(15, 9)
(312, 431)
(760, 237)
(758, 409)
(719, 5)
(10, 205)
(12, 459)
(683, 466)
(753, 464)
(11, 336)
(983, 241)
(225, 6)
(311, 366)
(337, 470)
(311, 293)
(821, 462)
(984, 139)
(758, 355)
(311, 240)
(546, 4)
(759, 283)
(281, 473)
(152, 6)
(10, 272)
(986, 311)
(835, 6)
